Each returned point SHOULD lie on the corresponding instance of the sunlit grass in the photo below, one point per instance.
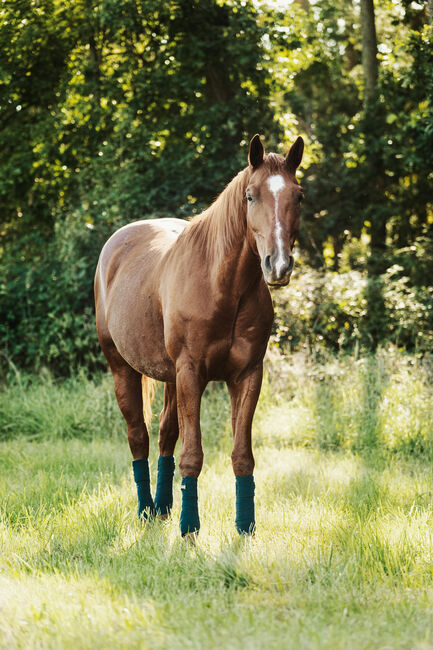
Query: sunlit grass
(342, 557)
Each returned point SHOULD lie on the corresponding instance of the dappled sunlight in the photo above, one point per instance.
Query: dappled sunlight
(407, 412)
(306, 472)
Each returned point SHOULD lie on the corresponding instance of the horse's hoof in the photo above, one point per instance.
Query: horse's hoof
(148, 514)
(190, 538)
(163, 517)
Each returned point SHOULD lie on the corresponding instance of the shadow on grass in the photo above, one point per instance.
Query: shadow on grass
(139, 560)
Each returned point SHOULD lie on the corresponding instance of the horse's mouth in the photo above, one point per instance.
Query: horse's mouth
(280, 283)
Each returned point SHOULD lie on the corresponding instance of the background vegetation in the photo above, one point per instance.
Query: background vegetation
(114, 111)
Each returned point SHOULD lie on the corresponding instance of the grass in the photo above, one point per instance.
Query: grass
(342, 558)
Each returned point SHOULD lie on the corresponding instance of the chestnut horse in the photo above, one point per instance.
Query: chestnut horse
(187, 302)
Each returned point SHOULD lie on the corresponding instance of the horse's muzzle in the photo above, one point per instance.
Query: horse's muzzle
(277, 270)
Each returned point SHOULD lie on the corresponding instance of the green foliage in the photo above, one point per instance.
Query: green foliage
(364, 403)
(326, 309)
(46, 409)
(112, 111)
(317, 77)
(46, 306)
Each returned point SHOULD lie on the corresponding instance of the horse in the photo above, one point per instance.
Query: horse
(186, 303)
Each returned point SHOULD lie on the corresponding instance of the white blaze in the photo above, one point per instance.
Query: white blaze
(276, 184)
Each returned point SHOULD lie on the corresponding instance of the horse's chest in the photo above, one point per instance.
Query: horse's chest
(232, 357)
(223, 339)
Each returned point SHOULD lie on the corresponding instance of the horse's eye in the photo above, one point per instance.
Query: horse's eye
(300, 197)
(249, 197)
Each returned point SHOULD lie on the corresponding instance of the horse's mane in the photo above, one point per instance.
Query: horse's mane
(224, 223)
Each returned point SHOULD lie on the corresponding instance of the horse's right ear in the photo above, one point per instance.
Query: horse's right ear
(256, 153)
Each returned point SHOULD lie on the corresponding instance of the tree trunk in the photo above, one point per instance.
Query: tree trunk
(375, 176)
(375, 179)
(369, 50)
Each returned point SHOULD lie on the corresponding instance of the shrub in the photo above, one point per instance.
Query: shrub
(336, 310)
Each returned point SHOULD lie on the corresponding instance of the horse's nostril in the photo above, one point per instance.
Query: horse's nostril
(268, 265)
(291, 264)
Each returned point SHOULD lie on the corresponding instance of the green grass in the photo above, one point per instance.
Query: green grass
(342, 558)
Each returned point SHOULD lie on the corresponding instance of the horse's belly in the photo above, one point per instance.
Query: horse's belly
(156, 367)
(139, 339)
(145, 355)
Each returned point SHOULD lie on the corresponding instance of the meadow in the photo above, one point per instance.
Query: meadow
(342, 556)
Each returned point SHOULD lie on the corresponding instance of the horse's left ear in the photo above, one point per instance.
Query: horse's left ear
(294, 157)
(256, 153)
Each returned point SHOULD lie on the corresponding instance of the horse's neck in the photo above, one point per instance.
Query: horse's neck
(229, 246)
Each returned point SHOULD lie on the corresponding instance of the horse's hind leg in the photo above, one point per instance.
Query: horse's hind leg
(168, 435)
(128, 390)
(189, 388)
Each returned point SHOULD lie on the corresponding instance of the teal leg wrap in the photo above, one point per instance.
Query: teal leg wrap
(189, 519)
(245, 521)
(164, 485)
(146, 507)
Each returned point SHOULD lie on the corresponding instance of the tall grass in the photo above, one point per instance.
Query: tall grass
(377, 403)
(382, 402)
(343, 553)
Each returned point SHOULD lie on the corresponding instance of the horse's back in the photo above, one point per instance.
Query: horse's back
(145, 237)
(131, 253)
(126, 292)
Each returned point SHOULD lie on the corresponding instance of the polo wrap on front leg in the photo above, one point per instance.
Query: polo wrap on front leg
(164, 485)
(189, 519)
(245, 518)
(146, 506)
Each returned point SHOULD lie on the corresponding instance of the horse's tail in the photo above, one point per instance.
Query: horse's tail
(148, 393)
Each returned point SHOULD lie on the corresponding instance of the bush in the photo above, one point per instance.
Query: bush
(46, 305)
(326, 309)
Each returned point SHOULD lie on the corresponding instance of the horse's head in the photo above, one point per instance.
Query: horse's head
(274, 198)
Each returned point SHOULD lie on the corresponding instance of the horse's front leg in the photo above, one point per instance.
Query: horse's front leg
(189, 389)
(244, 396)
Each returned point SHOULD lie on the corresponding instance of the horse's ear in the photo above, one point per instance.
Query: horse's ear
(294, 157)
(256, 153)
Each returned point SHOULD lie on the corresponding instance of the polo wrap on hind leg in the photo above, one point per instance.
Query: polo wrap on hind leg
(164, 485)
(189, 519)
(245, 517)
(146, 507)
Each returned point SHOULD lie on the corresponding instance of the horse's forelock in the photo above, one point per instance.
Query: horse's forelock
(274, 163)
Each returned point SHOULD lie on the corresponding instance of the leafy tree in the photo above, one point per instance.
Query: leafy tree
(111, 110)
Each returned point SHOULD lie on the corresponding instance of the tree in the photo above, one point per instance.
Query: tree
(369, 52)
(110, 111)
